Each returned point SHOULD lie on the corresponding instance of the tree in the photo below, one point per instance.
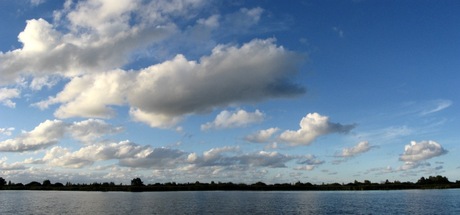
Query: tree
(137, 182)
(46, 183)
(2, 181)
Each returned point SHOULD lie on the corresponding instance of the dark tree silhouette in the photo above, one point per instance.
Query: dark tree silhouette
(137, 182)
(2, 181)
(46, 183)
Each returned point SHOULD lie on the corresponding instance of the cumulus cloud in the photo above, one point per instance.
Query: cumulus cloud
(50, 132)
(258, 70)
(360, 148)
(421, 151)
(312, 126)
(127, 153)
(308, 163)
(261, 136)
(4, 166)
(89, 36)
(416, 154)
(158, 158)
(6, 94)
(229, 119)
(90, 95)
(226, 157)
(44, 135)
(91, 130)
(162, 94)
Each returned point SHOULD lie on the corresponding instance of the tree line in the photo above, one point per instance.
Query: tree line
(137, 185)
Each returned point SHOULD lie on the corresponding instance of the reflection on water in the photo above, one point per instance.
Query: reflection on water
(232, 202)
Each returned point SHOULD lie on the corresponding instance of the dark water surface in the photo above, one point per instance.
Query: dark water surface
(232, 202)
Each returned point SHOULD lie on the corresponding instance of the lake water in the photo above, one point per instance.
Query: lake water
(232, 202)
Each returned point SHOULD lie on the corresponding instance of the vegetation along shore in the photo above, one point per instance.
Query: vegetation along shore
(431, 182)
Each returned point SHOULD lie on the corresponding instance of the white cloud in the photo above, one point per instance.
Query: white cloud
(309, 160)
(312, 126)
(4, 166)
(305, 167)
(38, 83)
(258, 70)
(424, 150)
(243, 19)
(212, 21)
(91, 130)
(225, 157)
(162, 94)
(37, 2)
(44, 135)
(153, 119)
(308, 163)
(51, 132)
(6, 131)
(416, 154)
(127, 153)
(86, 37)
(6, 94)
(360, 148)
(262, 136)
(239, 118)
(90, 95)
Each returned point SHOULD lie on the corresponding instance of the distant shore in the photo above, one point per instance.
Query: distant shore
(432, 182)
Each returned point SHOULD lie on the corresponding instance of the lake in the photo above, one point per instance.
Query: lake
(232, 202)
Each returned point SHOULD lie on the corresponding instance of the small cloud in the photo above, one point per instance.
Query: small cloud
(261, 136)
(228, 119)
(312, 126)
(37, 2)
(360, 148)
(305, 168)
(338, 31)
(6, 131)
(6, 94)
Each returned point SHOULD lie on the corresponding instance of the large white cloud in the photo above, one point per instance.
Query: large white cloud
(312, 126)
(90, 36)
(163, 93)
(258, 70)
(229, 119)
(424, 150)
(50, 132)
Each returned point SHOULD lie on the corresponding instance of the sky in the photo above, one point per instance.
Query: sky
(229, 91)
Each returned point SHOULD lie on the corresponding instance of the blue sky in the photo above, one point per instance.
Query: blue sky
(187, 90)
